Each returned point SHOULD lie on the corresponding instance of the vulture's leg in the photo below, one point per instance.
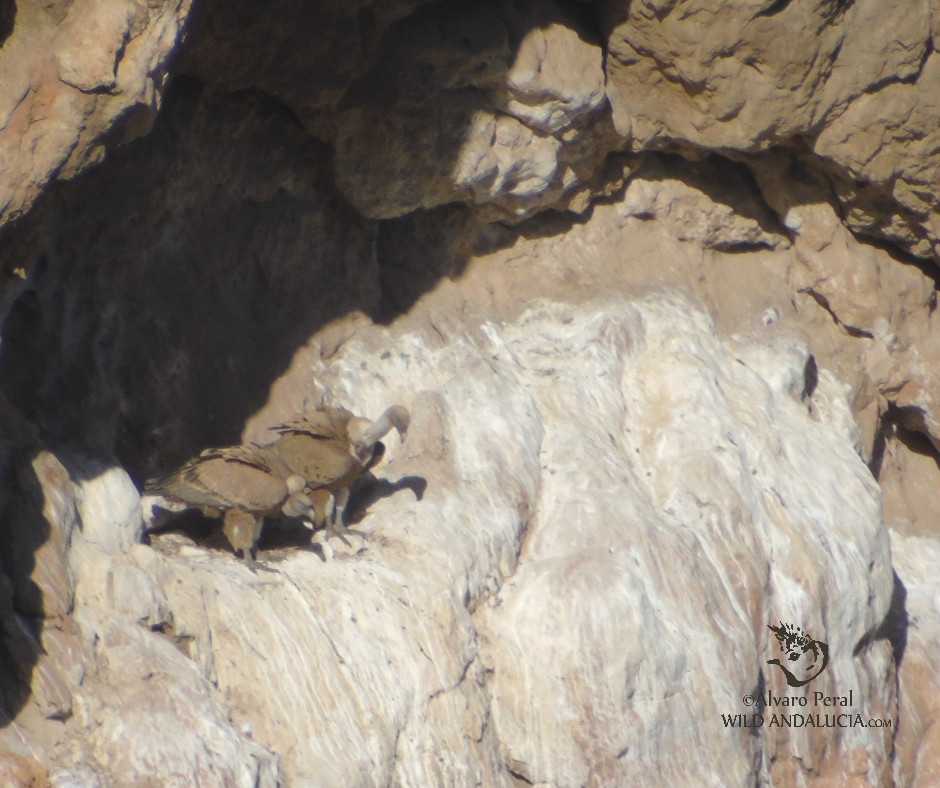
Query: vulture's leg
(336, 526)
(242, 528)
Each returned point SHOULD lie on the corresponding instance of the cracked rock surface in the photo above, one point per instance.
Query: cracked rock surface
(569, 498)
(657, 282)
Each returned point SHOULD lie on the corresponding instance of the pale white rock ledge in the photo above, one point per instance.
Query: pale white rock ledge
(566, 577)
(917, 565)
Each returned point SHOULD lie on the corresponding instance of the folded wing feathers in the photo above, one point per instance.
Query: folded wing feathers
(322, 424)
(246, 477)
(321, 461)
(316, 446)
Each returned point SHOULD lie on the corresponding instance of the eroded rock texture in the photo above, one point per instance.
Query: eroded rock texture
(853, 84)
(657, 282)
(75, 74)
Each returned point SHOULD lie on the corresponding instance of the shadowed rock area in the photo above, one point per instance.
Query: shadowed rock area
(658, 285)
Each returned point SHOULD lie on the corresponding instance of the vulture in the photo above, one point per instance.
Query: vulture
(331, 448)
(246, 483)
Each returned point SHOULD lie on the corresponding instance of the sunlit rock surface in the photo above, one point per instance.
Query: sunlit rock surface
(657, 282)
(73, 73)
(916, 559)
(855, 81)
(566, 575)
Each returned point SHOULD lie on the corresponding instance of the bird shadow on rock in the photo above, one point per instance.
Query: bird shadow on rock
(368, 491)
(894, 626)
(278, 535)
(192, 526)
(168, 289)
(196, 265)
(292, 533)
(283, 533)
(161, 295)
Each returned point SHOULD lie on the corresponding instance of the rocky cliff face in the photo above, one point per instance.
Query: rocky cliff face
(658, 283)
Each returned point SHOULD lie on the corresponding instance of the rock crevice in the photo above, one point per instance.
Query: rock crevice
(595, 249)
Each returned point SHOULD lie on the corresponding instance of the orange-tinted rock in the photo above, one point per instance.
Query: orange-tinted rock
(17, 771)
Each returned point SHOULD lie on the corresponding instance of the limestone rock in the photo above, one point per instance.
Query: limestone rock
(122, 585)
(102, 558)
(132, 707)
(71, 73)
(618, 470)
(878, 303)
(554, 79)
(19, 772)
(886, 146)
(109, 506)
(464, 117)
(916, 559)
(676, 193)
(152, 721)
(910, 477)
(561, 467)
(579, 491)
(76, 778)
(322, 47)
(42, 518)
(128, 362)
(742, 76)
(507, 107)
(851, 75)
(596, 565)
